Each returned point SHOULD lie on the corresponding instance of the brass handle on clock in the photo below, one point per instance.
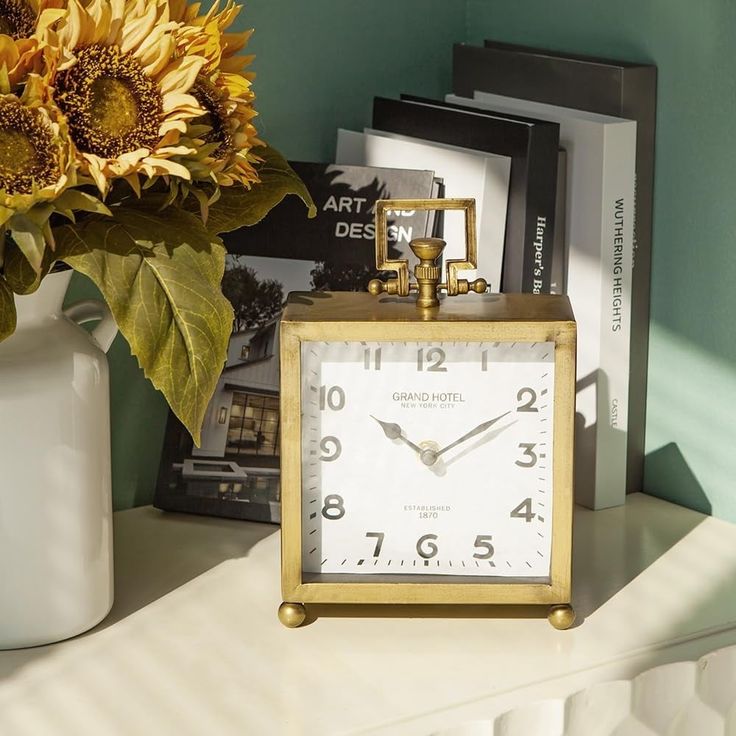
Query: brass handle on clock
(427, 273)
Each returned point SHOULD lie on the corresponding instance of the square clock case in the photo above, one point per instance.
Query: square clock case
(427, 441)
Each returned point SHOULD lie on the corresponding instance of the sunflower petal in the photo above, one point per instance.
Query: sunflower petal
(181, 75)
(136, 31)
(8, 51)
(4, 80)
(95, 171)
(135, 183)
(182, 103)
(165, 166)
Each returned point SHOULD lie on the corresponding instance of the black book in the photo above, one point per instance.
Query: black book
(343, 230)
(610, 87)
(532, 146)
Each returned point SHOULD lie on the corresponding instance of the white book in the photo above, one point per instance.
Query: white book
(601, 153)
(464, 172)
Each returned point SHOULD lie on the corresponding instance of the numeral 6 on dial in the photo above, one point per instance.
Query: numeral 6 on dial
(426, 548)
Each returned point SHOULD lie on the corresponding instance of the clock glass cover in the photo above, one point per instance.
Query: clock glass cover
(427, 458)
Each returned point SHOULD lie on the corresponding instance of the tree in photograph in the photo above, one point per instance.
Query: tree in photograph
(255, 302)
(330, 276)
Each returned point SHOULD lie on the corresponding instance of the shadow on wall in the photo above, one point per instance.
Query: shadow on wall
(670, 477)
(690, 429)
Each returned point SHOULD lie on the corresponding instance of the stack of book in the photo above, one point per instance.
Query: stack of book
(558, 152)
(562, 148)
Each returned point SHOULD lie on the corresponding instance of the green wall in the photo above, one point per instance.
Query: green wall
(691, 433)
(319, 65)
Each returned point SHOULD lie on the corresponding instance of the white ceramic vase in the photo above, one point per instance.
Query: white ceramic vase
(55, 498)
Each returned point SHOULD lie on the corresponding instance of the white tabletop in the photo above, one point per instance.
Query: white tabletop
(194, 646)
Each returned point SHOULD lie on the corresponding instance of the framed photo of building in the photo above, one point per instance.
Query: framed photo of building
(235, 470)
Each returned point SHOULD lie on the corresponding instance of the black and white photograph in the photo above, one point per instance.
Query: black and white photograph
(235, 471)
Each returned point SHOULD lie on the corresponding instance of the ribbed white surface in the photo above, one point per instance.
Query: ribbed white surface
(679, 699)
(193, 645)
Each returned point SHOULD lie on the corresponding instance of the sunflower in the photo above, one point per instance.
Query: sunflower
(229, 135)
(24, 19)
(36, 166)
(125, 89)
(17, 19)
(21, 24)
(225, 134)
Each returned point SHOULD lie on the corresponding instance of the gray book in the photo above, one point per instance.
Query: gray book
(605, 86)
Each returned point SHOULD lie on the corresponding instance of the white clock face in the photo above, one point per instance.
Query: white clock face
(427, 458)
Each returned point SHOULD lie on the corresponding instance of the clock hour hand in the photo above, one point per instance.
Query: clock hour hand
(473, 432)
(394, 432)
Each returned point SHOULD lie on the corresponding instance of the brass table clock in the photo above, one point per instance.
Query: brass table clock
(427, 442)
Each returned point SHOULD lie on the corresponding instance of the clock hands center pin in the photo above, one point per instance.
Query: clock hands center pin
(394, 432)
(429, 457)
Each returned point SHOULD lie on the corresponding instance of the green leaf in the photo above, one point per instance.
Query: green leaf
(238, 206)
(76, 200)
(8, 316)
(21, 277)
(29, 237)
(160, 274)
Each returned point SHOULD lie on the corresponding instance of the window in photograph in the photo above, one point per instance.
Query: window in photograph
(254, 425)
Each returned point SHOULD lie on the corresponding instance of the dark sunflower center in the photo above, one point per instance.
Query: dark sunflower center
(17, 153)
(16, 19)
(28, 156)
(216, 117)
(114, 108)
(111, 105)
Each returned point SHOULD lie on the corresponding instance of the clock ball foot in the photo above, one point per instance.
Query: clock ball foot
(292, 615)
(561, 616)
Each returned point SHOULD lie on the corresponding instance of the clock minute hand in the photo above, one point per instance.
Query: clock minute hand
(478, 430)
(394, 432)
